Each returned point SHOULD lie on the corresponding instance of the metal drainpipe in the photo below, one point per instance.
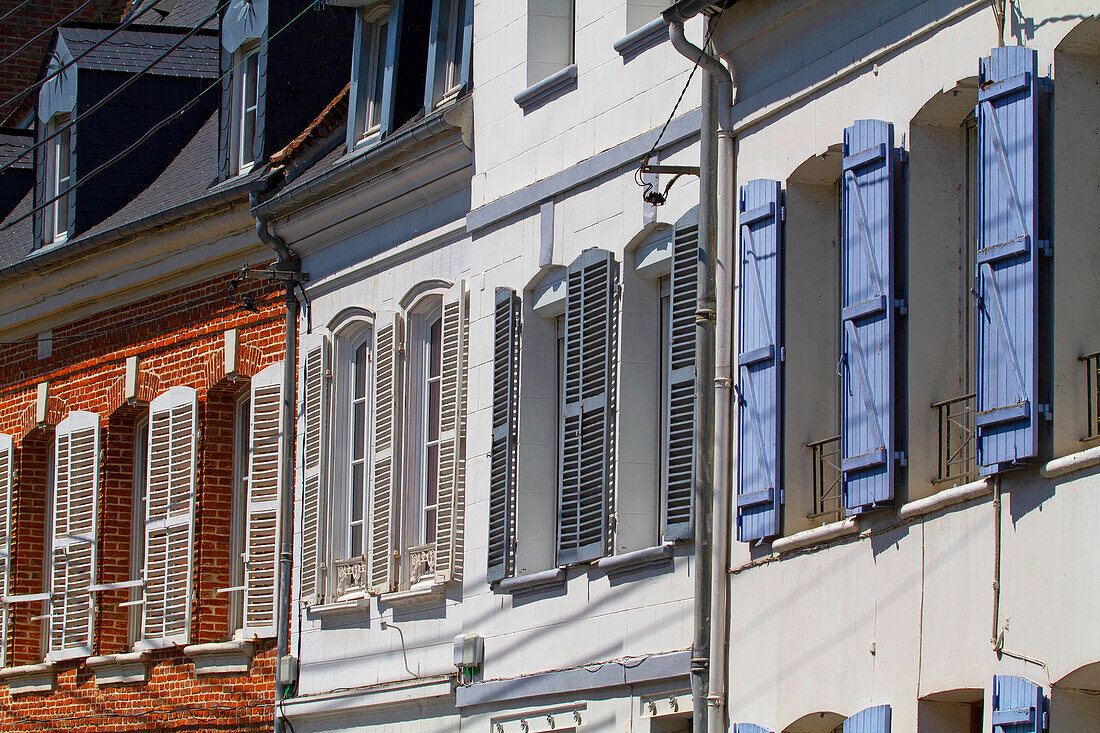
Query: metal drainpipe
(289, 262)
(723, 343)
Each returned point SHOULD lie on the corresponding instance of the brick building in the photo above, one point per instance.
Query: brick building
(141, 373)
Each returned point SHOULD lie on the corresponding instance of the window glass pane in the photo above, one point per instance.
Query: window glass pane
(361, 371)
(435, 339)
(433, 410)
(429, 528)
(432, 487)
(457, 30)
(356, 544)
(250, 76)
(357, 492)
(358, 430)
(379, 74)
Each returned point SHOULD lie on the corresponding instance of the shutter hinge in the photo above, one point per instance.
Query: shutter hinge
(782, 213)
(1047, 412)
(1046, 248)
(782, 353)
(902, 306)
(902, 459)
(903, 155)
(328, 375)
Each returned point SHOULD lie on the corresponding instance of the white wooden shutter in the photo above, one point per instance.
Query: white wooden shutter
(76, 482)
(262, 514)
(314, 390)
(585, 498)
(387, 391)
(169, 517)
(6, 458)
(452, 436)
(503, 453)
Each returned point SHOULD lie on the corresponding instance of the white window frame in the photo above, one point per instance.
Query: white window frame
(137, 527)
(58, 151)
(369, 69)
(245, 60)
(348, 341)
(664, 366)
(242, 423)
(47, 546)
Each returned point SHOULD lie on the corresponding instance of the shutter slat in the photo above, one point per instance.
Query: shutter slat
(7, 445)
(315, 367)
(1019, 706)
(585, 495)
(679, 455)
(169, 518)
(76, 482)
(760, 378)
(868, 318)
(262, 515)
(871, 720)
(505, 426)
(383, 492)
(1007, 273)
(452, 428)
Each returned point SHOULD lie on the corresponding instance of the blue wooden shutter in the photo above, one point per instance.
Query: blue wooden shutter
(680, 441)
(503, 453)
(586, 496)
(759, 378)
(1008, 365)
(868, 325)
(749, 728)
(1019, 706)
(871, 720)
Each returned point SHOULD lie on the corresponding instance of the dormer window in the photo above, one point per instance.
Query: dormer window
(59, 177)
(449, 67)
(246, 73)
(369, 61)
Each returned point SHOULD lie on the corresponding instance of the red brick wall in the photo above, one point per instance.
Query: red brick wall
(24, 24)
(178, 339)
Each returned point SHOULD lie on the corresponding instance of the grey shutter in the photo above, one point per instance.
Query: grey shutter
(1007, 258)
(170, 517)
(1019, 706)
(868, 319)
(73, 179)
(6, 460)
(314, 389)
(871, 720)
(503, 456)
(759, 374)
(76, 483)
(585, 498)
(387, 391)
(262, 516)
(679, 456)
(452, 437)
(389, 76)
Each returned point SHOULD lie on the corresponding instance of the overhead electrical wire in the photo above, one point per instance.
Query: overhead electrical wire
(61, 69)
(66, 19)
(15, 9)
(115, 92)
(152, 131)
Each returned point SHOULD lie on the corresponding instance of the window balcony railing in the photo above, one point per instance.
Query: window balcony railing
(1092, 376)
(828, 498)
(351, 577)
(422, 562)
(958, 460)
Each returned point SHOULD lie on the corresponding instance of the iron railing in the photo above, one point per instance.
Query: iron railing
(1092, 377)
(828, 498)
(958, 459)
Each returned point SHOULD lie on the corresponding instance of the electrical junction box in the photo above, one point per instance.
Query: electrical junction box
(288, 670)
(469, 651)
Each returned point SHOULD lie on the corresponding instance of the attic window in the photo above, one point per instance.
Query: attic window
(59, 170)
(246, 72)
(370, 71)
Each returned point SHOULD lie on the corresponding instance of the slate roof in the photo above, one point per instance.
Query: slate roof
(132, 50)
(13, 142)
(184, 14)
(15, 242)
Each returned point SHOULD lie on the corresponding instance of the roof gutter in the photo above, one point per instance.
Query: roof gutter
(685, 10)
(53, 256)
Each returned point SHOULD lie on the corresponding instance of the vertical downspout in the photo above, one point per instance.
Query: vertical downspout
(286, 261)
(723, 342)
(704, 406)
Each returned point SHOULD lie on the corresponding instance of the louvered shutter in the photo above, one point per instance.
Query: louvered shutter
(504, 450)
(1007, 258)
(679, 457)
(868, 320)
(452, 436)
(314, 390)
(585, 499)
(169, 517)
(6, 459)
(387, 391)
(1019, 706)
(749, 728)
(76, 481)
(262, 515)
(871, 720)
(759, 370)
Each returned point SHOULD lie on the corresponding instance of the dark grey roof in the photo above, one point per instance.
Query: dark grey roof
(179, 13)
(12, 143)
(133, 50)
(15, 241)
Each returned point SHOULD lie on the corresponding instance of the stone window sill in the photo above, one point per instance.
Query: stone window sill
(549, 88)
(636, 560)
(117, 669)
(533, 581)
(418, 595)
(230, 657)
(816, 536)
(341, 607)
(1073, 462)
(30, 678)
(649, 35)
(945, 498)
